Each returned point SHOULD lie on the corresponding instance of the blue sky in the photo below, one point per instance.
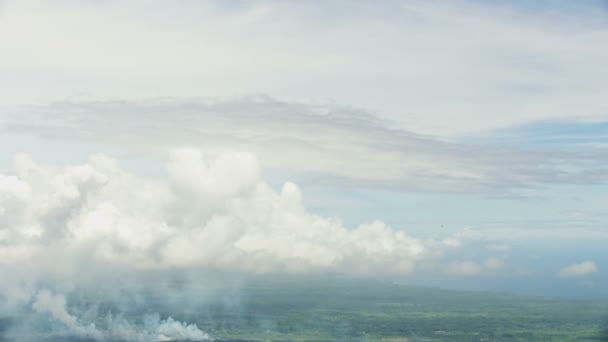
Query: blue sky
(478, 128)
(546, 227)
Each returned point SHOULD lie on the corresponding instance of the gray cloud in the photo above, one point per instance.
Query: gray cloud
(307, 141)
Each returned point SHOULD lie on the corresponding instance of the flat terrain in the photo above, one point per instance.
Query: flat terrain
(372, 310)
(346, 309)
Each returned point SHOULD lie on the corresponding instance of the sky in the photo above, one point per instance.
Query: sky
(458, 144)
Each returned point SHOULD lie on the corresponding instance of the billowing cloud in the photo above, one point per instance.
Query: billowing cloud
(578, 270)
(215, 211)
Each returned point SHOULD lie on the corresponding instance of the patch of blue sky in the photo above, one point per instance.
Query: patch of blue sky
(565, 134)
(530, 267)
(57, 152)
(434, 214)
(582, 10)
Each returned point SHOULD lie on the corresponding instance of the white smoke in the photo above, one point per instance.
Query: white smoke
(153, 328)
(55, 305)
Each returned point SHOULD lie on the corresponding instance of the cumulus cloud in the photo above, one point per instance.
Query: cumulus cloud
(215, 211)
(578, 269)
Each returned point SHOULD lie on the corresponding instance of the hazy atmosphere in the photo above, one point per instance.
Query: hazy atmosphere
(161, 159)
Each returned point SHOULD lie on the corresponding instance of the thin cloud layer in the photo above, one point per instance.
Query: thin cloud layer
(311, 142)
(432, 67)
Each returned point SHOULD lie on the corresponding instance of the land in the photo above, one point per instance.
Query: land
(344, 309)
(347, 309)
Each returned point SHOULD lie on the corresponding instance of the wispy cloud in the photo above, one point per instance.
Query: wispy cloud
(322, 142)
(578, 270)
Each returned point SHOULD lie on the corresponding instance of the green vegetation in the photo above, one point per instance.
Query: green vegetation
(347, 309)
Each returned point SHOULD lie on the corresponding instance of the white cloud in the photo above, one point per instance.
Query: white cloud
(579, 269)
(432, 67)
(493, 264)
(214, 212)
(514, 233)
